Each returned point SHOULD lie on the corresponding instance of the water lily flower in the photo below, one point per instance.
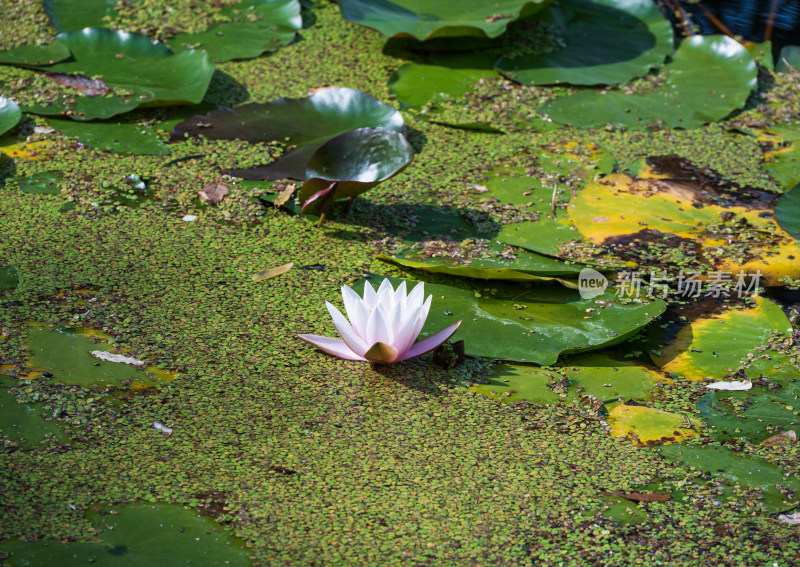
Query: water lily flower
(382, 325)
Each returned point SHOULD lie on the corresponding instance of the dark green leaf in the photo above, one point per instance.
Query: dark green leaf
(787, 212)
(139, 72)
(45, 183)
(789, 60)
(358, 160)
(708, 78)
(23, 421)
(415, 85)
(423, 20)
(113, 136)
(8, 278)
(35, 55)
(605, 42)
(74, 15)
(10, 114)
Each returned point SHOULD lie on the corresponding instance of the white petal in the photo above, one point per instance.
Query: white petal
(336, 347)
(386, 294)
(356, 343)
(400, 294)
(416, 297)
(423, 315)
(356, 310)
(370, 297)
(378, 328)
(735, 385)
(427, 345)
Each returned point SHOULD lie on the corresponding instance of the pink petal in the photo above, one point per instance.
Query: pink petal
(427, 345)
(336, 347)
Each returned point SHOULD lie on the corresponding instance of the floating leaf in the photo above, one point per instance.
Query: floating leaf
(789, 59)
(592, 374)
(709, 77)
(755, 415)
(741, 469)
(35, 55)
(270, 273)
(137, 535)
(782, 154)
(737, 339)
(113, 136)
(213, 193)
(356, 161)
(604, 42)
(536, 327)
(304, 123)
(139, 72)
(651, 426)
(24, 421)
(447, 18)
(10, 114)
(45, 183)
(9, 279)
(66, 354)
(787, 212)
(28, 150)
(415, 85)
(246, 29)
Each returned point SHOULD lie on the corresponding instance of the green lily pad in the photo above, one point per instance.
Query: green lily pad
(45, 183)
(787, 212)
(605, 42)
(20, 422)
(66, 354)
(782, 154)
(138, 71)
(35, 55)
(538, 326)
(720, 345)
(708, 78)
(304, 123)
(789, 60)
(741, 469)
(138, 535)
(595, 374)
(9, 279)
(357, 161)
(113, 136)
(248, 28)
(415, 85)
(755, 414)
(448, 18)
(10, 114)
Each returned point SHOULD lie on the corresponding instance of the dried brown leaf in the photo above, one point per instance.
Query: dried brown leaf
(272, 272)
(284, 196)
(213, 192)
(782, 439)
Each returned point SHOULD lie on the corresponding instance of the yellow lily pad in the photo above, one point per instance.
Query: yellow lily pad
(27, 150)
(650, 426)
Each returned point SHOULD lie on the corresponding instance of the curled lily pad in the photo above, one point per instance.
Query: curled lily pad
(304, 123)
(113, 136)
(447, 18)
(137, 535)
(10, 114)
(755, 414)
(716, 346)
(744, 470)
(787, 212)
(356, 161)
(708, 78)
(246, 29)
(136, 70)
(537, 326)
(605, 42)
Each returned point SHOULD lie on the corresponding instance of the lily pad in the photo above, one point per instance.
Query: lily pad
(45, 183)
(604, 42)
(448, 18)
(35, 55)
(304, 123)
(736, 340)
(137, 71)
(651, 426)
(10, 114)
(536, 327)
(137, 535)
(787, 212)
(754, 414)
(9, 279)
(782, 154)
(113, 136)
(356, 161)
(741, 469)
(415, 85)
(65, 353)
(708, 78)
(248, 28)
(20, 422)
(789, 59)
(594, 374)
